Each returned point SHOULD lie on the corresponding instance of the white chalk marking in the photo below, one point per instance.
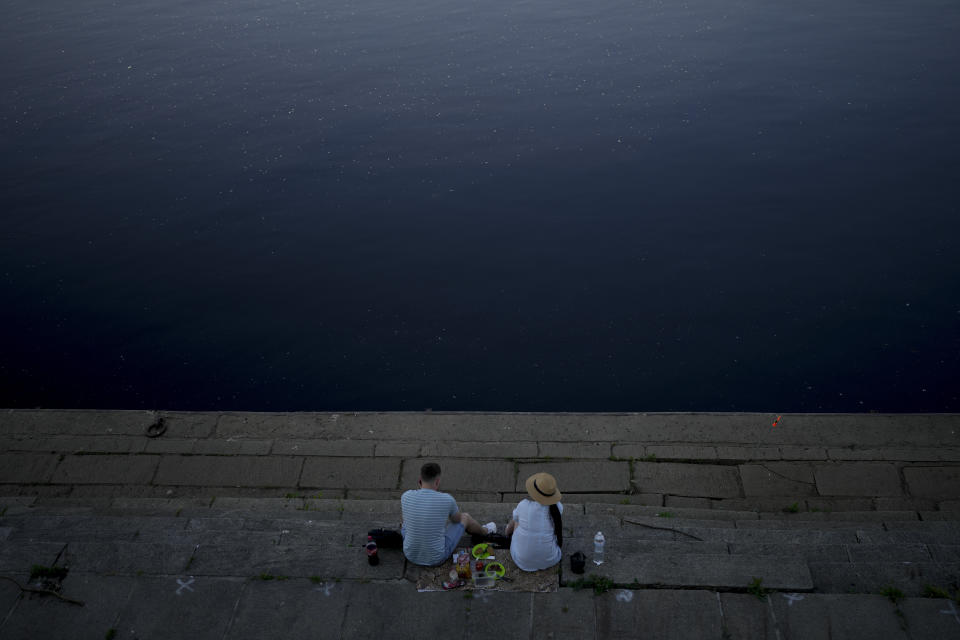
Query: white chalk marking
(184, 585)
(326, 588)
(952, 611)
(624, 595)
(481, 595)
(792, 597)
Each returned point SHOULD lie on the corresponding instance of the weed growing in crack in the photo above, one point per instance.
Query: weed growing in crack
(756, 588)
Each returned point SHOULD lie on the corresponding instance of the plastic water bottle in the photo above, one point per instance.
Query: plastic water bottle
(598, 541)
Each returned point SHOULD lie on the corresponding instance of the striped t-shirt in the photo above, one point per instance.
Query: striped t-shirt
(426, 514)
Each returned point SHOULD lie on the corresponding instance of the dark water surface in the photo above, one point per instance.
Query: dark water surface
(493, 205)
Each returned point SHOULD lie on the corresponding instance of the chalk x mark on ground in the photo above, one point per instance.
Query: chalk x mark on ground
(325, 587)
(624, 595)
(184, 585)
(951, 611)
(792, 597)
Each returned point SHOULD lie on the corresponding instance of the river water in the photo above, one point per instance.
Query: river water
(566, 205)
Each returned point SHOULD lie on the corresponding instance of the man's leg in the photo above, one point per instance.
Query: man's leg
(452, 538)
(472, 526)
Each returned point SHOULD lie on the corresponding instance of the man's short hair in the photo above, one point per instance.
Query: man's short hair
(429, 472)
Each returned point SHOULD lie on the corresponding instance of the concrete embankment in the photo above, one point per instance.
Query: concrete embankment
(718, 525)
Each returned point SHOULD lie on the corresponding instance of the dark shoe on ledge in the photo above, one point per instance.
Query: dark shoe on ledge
(498, 540)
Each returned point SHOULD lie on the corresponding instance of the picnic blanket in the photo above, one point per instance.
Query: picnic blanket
(432, 578)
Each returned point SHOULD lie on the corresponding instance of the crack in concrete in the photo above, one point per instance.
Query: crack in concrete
(809, 482)
(650, 526)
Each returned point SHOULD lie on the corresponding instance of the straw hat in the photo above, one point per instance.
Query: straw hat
(542, 487)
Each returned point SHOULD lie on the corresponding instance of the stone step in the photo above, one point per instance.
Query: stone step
(249, 538)
(714, 571)
(912, 578)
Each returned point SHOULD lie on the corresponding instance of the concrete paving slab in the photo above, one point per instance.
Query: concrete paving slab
(598, 476)
(662, 614)
(127, 558)
(279, 426)
(159, 506)
(889, 553)
(858, 479)
(729, 453)
(351, 473)
(755, 504)
(945, 552)
(74, 422)
(300, 608)
(299, 501)
(778, 479)
(391, 494)
(91, 528)
(677, 512)
(565, 614)
(897, 454)
(20, 555)
(328, 561)
(10, 595)
(703, 480)
(931, 617)
(779, 536)
(903, 503)
(106, 469)
(905, 536)
(227, 537)
(169, 445)
(80, 444)
(498, 614)
(329, 448)
(27, 468)
(393, 449)
(820, 552)
(698, 570)
(412, 615)
(571, 450)
(232, 447)
(474, 449)
(580, 499)
(235, 471)
(745, 617)
(803, 453)
(579, 525)
(457, 474)
(175, 607)
(793, 521)
(38, 616)
(635, 499)
(933, 482)
(861, 517)
(839, 506)
(836, 617)
(638, 522)
(676, 545)
(189, 424)
(681, 452)
(684, 502)
(871, 577)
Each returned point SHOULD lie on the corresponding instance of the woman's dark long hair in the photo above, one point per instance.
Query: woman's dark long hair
(557, 524)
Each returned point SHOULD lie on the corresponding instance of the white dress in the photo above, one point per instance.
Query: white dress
(534, 545)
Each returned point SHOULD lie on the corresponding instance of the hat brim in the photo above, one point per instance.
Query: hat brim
(537, 496)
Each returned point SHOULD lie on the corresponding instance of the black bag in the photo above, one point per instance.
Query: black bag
(386, 539)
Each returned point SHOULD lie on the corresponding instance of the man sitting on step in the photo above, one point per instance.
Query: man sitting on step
(432, 521)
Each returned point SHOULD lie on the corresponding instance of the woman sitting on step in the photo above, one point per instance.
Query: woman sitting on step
(536, 529)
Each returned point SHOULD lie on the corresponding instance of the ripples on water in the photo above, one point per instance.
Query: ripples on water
(480, 205)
